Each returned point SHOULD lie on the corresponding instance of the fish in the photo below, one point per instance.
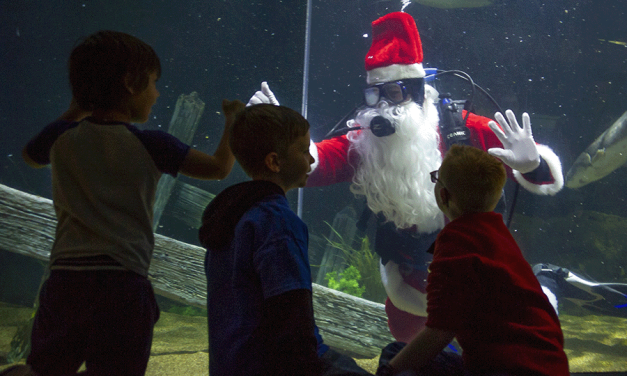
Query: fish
(607, 153)
(618, 42)
(451, 4)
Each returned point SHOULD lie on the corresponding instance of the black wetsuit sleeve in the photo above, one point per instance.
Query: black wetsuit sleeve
(541, 174)
(290, 346)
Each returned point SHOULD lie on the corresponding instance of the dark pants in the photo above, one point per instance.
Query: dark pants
(103, 318)
(337, 364)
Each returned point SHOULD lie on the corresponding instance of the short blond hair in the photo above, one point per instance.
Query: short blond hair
(474, 178)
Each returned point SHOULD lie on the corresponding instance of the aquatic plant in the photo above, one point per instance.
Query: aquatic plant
(365, 261)
(347, 281)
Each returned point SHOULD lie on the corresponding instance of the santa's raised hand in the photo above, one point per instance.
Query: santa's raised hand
(265, 95)
(519, 149)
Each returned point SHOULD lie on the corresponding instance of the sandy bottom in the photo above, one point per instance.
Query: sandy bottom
(593, 343)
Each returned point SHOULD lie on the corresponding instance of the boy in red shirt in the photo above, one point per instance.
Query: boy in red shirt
(480, 289)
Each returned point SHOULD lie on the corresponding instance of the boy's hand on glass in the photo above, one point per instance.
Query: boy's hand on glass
(231, 109)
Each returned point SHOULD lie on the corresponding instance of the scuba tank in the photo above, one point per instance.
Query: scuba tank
(453, 130)
(452, 126)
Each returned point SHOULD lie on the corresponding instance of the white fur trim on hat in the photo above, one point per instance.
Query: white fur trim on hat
(394, 72)
(555, 166)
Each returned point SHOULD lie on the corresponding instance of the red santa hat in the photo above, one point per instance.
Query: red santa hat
(396, 51)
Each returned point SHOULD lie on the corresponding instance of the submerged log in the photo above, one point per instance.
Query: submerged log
(187, 113)
(188, 202)
(354, 326)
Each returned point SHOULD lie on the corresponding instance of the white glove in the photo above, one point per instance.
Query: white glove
(520, 151)
(265, 95)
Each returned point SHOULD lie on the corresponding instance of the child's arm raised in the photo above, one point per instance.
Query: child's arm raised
(217, 166)
(73, 114)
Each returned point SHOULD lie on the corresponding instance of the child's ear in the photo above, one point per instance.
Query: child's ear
(445, 195)
(272, 162)
(128, 81)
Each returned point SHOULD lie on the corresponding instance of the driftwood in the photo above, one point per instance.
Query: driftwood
(188, 202)
(351, 325)
(187, 113)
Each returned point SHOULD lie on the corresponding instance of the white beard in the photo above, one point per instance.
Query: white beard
(393, 173)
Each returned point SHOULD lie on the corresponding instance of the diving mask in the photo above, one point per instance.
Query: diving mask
(395, 92)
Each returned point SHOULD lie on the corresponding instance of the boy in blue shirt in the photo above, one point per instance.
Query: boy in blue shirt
(98, 306)
(259, 290)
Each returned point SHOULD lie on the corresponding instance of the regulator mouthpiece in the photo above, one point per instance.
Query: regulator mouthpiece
(381, 127)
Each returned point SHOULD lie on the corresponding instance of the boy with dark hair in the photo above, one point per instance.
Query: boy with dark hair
(105, 64)
(259, 302)
(266, 132)
(259, 290)
(480, 289)
(98, 306)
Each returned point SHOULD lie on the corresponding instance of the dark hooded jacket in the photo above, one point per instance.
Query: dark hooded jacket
(259, 301)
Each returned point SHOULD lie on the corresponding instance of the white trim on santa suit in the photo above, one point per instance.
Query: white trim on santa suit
(555, 166)
(396, 54)
(403, 296)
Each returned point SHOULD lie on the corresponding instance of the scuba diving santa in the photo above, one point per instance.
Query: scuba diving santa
(391, 145)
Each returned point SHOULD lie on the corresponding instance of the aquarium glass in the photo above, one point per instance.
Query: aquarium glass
(564, 62)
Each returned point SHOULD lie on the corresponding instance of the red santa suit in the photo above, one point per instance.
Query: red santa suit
(335, 164)
(396, 55)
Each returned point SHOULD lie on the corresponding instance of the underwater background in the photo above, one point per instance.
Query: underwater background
(562, 61)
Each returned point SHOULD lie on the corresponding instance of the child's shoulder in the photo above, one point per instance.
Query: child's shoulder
(57, 127)
(271, 206)
(273, 214)
(38, 148)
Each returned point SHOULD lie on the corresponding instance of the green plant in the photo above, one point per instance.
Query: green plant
(365, 261)
(347, 281)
